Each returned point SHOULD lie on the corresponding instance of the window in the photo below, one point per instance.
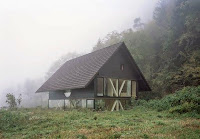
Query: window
(122, 67)
(100, 87)
(109, 91)
(110, 87)
(128, 88)
(125, 88)
(90, 103)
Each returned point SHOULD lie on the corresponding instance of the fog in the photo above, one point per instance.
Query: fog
(34, 34)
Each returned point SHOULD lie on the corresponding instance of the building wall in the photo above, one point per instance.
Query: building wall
(112, 67)
(83, 93)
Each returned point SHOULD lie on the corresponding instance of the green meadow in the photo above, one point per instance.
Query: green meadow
(174, 116)
(139, 122)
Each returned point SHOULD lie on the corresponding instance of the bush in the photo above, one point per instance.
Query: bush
(182, 101)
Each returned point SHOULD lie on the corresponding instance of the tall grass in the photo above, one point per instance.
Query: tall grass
(11, 119)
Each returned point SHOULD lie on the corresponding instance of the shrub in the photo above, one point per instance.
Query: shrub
(182, 101)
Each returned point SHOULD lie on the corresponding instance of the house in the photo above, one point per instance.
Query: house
(108, 76)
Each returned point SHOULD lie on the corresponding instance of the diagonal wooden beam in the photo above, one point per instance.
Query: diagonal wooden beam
(115, 92)
(114, 104)
(120, 90)
(121, 105)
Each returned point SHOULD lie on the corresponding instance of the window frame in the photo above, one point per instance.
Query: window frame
(104, 90)
(93, 103)
(97, 87)
(122, 67)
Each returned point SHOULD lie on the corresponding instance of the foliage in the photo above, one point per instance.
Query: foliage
(137, 24)
(167, 48)
(12, 101)
(183, 101)
(100, 105)
(139, 122)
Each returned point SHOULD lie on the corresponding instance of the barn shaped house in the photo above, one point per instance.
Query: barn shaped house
(108, 77)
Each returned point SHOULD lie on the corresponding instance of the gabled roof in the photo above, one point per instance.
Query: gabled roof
(79, 72)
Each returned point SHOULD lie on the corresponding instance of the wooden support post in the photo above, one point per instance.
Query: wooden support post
(64, 104)
(48, 104)
(94, 104)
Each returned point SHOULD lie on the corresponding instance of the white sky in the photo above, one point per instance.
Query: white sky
(34, 33)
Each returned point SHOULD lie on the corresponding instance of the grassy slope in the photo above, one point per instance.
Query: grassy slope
(136, 123)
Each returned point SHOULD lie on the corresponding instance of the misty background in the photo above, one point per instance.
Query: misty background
(36, 37)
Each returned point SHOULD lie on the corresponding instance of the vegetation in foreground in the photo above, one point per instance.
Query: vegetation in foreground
(184, 101)
(139, 122)
(174, 116)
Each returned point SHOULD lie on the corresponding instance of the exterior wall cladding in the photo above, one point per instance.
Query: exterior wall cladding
(112, 67)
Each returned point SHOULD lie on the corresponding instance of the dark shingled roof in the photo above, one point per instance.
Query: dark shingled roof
(79, 72)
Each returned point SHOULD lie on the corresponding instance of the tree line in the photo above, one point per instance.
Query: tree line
(167, 49)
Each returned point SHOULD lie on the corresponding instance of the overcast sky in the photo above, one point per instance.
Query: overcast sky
(34, 33)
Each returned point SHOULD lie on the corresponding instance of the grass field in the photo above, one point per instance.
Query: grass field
(138, 122)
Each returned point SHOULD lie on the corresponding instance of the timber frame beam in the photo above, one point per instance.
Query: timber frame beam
(117, 105)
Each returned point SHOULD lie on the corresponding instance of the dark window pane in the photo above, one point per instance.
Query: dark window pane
(100, 87)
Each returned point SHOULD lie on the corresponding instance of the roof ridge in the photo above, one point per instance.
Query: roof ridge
(94, 51)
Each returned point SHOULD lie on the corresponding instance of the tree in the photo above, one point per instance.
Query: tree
(138, 24)
(12, 101)
(99, 45)
(19, 100)
(167, 48)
